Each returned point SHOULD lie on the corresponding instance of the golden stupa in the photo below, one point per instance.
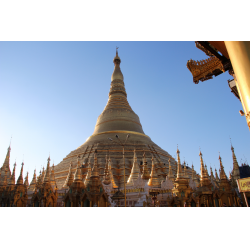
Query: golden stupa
(89, 175)
(119, 119)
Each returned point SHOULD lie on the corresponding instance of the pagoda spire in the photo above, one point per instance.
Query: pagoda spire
(206, 170)
(117, 74)
(6, 166)
(204, 180)
(39, 180)
(216, 176)
(213, 179)
(212, 174)
(203, 171)
(135, 171)
(52, 176)
(236, 170)
(13, 177)
(43, 175)
(185, 170)
(69, 179)
(7, 158)
(26, 181)
(123, 117)
(78, 173)
(47, 175)
(179, 168)
(111, 174)
(222, 172)
(33, 182)
(154, 180)
(209, 177)
(20, 178)
(145, 173)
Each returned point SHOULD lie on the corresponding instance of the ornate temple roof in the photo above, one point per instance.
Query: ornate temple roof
(216, 64)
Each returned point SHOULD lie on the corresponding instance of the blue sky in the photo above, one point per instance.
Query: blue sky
(53, 92)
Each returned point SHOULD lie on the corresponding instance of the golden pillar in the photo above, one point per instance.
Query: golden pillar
(239, 53)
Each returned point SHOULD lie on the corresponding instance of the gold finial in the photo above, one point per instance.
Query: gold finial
(219, 156)
(117, 50)
(200, 154)
(178, 151)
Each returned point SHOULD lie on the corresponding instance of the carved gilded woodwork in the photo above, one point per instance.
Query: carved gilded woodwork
(204, 69)
(44, 196)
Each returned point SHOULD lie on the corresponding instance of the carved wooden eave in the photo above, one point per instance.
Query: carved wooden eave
(205, 69)
(213, 66)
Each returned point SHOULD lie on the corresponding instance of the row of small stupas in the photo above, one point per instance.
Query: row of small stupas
(144, 186)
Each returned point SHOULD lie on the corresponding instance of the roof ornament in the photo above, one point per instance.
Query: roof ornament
(177, 150)
(20, 178)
